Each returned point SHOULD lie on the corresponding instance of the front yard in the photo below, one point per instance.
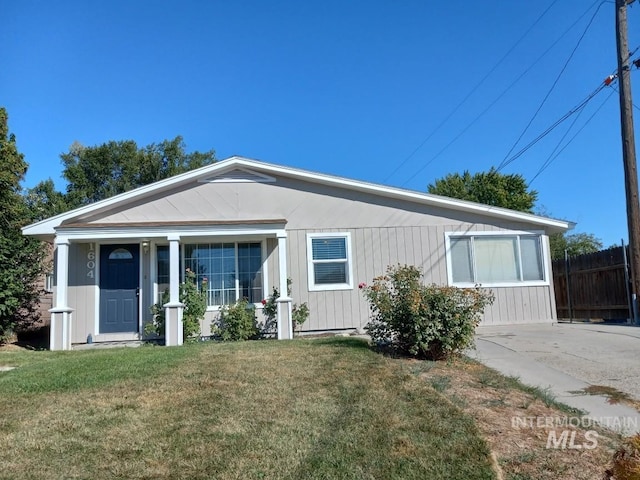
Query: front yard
(326, 408)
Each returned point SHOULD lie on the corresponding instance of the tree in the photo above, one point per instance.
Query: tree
(490, 188)
(575, 244)
(45, 201)
(21, 258)
(99, 172)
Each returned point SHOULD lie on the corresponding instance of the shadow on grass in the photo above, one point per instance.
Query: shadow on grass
(344, 342)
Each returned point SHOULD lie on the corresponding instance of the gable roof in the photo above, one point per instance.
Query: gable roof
(244, 169)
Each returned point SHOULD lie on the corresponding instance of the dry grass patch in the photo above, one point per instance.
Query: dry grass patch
(327, 408)
(495, 401)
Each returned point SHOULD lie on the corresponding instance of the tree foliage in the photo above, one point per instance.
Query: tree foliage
(490, 188)
(102, 171)
(575, 244)
(20, 257)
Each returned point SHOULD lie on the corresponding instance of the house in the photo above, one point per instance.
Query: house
(248, 226)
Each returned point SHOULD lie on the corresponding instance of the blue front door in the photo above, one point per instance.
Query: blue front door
(119, 288)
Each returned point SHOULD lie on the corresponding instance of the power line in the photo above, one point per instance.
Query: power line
(471, 92)
(552, 157)
(553, 86)
(499, 97)
(567, 115)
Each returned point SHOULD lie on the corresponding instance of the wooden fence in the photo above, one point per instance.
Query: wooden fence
(594, 285)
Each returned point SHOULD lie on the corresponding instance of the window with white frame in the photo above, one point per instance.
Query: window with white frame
(233, 270)
(329, 261)
(495, 259)
(48, 282)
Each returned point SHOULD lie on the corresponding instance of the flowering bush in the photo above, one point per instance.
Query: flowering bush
(299, 313)
(195, 305)
(422, 320)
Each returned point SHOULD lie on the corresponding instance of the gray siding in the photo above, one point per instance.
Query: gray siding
(384, 232)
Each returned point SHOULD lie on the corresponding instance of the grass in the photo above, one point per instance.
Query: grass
(328, 408)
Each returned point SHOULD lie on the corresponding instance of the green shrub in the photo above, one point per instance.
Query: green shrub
(238, 322)
(422, 320)
(195, 306)
(299, 313)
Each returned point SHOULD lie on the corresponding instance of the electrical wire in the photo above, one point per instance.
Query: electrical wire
(471, 92)
(567, 115)
(550, 160)
(500, 96)
(553, 86)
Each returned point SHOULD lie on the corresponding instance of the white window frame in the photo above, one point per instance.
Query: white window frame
(513, 233)
(49, 282)
(313, 287)
(236, 241)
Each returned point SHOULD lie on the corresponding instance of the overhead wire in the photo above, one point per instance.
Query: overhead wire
(500, 96)
(550, 160)
(471, 92)
(567, 115)
(553, 86)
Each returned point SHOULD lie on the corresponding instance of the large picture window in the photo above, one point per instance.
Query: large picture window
(233, 270)
(494, 259)
(329, 261)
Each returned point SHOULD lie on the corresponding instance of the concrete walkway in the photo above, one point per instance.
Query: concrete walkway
(567, 358)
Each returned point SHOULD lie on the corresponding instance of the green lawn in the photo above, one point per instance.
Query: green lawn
(302, 409)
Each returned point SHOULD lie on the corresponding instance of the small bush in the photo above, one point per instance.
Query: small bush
(422, 320)
(195, 306)
(238, 322)
(626, 460)
(299, 313)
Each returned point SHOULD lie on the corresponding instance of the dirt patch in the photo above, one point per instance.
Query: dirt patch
(530, 437)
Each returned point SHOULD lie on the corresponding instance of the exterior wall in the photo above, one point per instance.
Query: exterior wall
(384, 231)
(373, 249)
(82, 292)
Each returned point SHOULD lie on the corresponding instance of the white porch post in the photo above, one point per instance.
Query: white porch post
(174, 309)
(285, 329)
(60, 335)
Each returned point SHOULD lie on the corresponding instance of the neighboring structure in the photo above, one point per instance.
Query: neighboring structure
(247, 226)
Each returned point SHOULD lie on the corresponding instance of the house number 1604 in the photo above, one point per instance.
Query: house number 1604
(91, 261)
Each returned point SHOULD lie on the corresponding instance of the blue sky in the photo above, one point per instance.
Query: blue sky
(352, 88)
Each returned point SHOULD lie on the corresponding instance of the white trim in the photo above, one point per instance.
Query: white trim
(122, 234)
(313, 287)
(512, 233)
(96, 285)
(47, 227)
(255, 177)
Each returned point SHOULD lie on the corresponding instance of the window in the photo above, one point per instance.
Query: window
(494, 259)
(48, 282)
(329, 261)
(233, 270)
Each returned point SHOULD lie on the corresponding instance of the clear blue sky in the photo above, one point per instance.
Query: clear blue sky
(350, 88)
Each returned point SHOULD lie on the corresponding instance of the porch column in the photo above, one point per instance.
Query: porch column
(173, 310)
(60, 329)
(285, 329)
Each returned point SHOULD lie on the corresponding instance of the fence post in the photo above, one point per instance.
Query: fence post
(566, 272)
(632, 315)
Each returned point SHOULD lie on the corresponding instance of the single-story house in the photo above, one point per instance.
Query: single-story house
(248, 226)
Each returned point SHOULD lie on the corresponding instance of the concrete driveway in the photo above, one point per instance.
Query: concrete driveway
(566, 358)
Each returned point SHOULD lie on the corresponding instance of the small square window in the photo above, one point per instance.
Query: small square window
(329, 261)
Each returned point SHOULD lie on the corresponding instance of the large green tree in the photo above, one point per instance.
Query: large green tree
(21, 258)
(490, 188)
(574, 244)
(98, 172)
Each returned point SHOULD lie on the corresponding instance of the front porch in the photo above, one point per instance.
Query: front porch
(108, 276)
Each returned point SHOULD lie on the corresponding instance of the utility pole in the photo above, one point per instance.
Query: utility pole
(628, 150)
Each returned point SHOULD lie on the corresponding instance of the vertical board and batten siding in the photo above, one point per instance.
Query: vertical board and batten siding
(373, 250)
(384, 231)
(81, 294)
